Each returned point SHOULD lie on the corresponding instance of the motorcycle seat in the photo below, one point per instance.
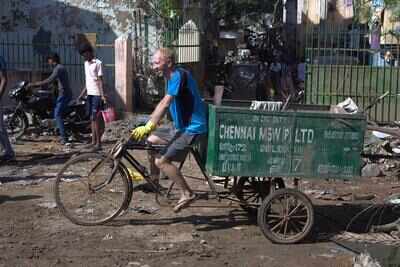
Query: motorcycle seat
(73, 104)
(44, 92)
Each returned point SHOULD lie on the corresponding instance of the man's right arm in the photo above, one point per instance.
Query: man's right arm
(82, 93)
(142, 131)
(173, 86)
(3, 82)
(161, 109)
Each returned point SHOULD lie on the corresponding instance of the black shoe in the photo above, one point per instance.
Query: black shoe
(7, 158)
(64, 142)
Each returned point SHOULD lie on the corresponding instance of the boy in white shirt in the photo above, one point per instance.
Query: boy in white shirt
(95, 93)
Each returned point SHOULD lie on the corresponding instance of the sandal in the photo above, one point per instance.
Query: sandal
(184, 203)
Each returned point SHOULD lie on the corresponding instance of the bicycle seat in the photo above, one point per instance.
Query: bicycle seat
(135, 143)
(44, 92)
(122, 144)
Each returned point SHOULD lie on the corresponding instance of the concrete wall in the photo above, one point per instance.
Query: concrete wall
(65, 18)
(26, 26)
(32, 23)
(332, 11)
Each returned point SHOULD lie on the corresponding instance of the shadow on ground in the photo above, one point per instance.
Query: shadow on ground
(208, 222)
(330, 220)
(358, 218)
(5, 198)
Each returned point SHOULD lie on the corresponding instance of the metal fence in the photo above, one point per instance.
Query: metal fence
(23, 54)
(183, 36)
(180, 33)
(152, 31)
(353, 61)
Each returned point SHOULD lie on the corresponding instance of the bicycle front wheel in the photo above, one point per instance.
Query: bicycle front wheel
(88, 192)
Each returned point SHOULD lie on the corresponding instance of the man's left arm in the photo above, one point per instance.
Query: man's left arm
(3, 82)
(101, 88)
(101, 80)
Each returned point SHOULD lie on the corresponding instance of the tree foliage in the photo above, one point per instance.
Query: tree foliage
(232, 11)
(364, 12)
(168, 8)
(394, 6)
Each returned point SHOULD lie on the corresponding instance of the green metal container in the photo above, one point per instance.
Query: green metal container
(244, 142)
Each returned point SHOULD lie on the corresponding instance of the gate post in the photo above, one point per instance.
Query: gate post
(123, 74)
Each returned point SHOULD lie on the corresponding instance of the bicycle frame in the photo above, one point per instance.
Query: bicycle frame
(120, 152)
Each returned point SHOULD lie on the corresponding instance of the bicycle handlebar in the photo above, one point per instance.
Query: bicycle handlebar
(129, 143)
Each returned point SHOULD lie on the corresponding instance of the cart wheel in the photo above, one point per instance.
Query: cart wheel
(286, 216)
(252, 190)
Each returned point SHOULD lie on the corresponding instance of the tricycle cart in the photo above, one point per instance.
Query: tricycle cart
(262, 146)
(249, 150)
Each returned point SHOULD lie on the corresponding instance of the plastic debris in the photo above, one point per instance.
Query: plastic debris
(48, 205)
(135, 176)
(145, 210)
(380, 135)
(348, 105)
(108, 237)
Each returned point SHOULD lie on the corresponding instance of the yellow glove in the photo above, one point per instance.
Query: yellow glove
(141, 132)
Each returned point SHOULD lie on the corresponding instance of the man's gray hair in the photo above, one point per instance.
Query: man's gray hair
(168, 54)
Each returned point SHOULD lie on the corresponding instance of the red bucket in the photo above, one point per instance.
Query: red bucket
(109, 114)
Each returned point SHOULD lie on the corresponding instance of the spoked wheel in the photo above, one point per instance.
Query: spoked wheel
(88, 192)
(286, 216)
(252, 190)
(17, 123)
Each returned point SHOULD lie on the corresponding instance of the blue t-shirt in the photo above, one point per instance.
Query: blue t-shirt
(3, 65)
(187, 108)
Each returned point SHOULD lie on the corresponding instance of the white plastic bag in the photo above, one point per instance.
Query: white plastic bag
(348, 105)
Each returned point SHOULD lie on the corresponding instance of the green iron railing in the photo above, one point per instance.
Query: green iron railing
(356, 62)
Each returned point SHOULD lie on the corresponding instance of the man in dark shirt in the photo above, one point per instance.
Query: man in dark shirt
(60, 75)
(4, 141)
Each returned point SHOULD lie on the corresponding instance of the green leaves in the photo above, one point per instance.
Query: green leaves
(231, 11)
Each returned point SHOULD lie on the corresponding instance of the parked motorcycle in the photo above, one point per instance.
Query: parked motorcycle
(34, 108)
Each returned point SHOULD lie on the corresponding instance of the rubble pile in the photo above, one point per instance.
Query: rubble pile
(382, 153)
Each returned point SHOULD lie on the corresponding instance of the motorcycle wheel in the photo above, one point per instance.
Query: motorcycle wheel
(17, 123)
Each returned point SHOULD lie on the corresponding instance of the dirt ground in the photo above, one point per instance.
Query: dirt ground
(34, 233)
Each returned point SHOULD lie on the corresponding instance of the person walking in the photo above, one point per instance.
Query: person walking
(9, 153)
(64, 95)
(188, 114)
(94, 89)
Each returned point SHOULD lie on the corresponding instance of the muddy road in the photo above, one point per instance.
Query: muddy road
(212, 233)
